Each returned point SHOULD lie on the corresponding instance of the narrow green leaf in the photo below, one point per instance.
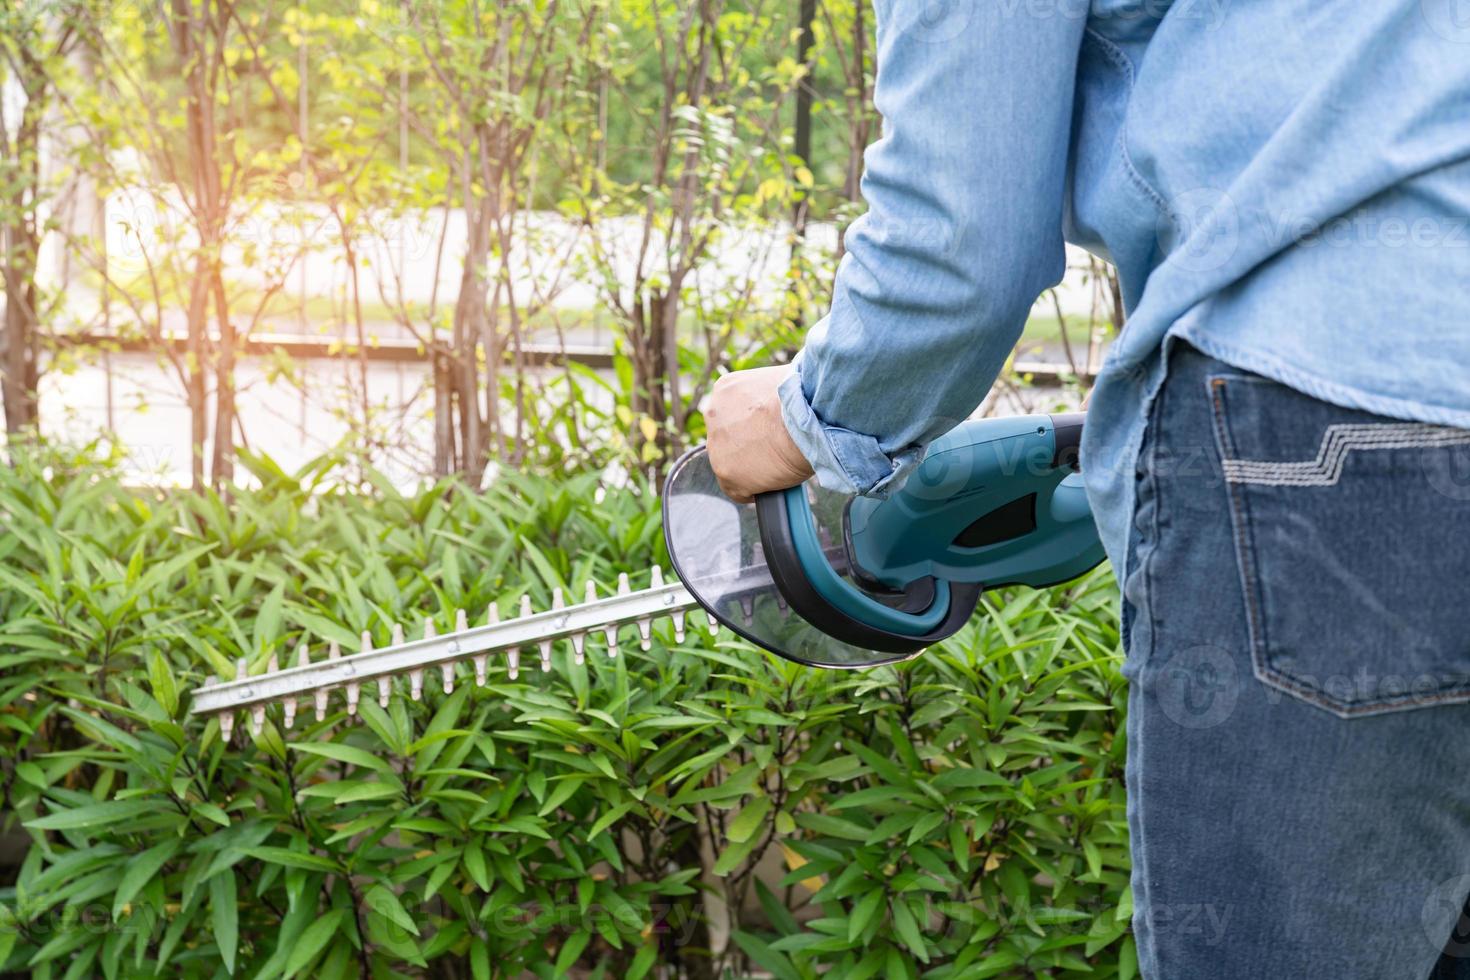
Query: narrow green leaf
(313, 941)
(140, 871)
(863, 912)
(749, 820)
(225, 917)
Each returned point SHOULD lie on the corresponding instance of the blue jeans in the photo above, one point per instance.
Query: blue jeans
(1297, 619)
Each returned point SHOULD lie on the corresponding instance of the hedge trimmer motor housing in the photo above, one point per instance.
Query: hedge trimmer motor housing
(836, 581)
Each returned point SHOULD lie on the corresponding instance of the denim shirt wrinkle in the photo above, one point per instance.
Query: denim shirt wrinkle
(1287, 190)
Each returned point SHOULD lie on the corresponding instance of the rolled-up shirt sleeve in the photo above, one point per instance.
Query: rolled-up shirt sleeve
(963, 231)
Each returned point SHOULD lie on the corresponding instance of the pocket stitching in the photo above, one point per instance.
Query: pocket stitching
(1338, 441)
(1245, 560)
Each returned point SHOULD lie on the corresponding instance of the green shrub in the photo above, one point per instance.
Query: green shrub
(958, 816)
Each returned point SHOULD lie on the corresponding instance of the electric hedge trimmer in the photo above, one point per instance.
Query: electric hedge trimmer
(814, 576)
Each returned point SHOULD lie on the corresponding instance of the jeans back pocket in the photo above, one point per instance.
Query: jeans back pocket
(1350, 532)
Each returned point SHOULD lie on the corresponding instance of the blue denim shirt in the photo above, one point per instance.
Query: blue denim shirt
(1283, 183)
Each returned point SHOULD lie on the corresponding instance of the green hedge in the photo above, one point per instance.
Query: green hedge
(958, 816)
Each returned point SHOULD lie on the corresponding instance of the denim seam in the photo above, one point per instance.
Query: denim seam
(1120, 59)
(1147, 568)
(1246, 554)
(1149, 953)
(1240, 528)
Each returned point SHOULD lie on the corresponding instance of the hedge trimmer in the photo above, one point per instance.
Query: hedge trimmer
(817, 577)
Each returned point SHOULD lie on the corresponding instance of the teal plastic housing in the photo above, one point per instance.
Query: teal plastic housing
(976, 470)
(998, 478)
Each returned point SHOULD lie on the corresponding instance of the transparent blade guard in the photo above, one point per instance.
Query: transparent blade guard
(715, 545)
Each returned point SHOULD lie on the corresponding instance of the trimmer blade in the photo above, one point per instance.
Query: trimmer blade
(715, 546)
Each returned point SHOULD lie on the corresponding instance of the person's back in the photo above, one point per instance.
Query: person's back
(1277, 447)
(1286, 185)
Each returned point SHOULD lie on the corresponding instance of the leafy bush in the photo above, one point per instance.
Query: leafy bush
(695, 810)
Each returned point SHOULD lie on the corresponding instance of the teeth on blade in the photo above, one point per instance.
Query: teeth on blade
(385, 686)
(579, 647)
(257, 713)
(320, 696)
(678, 618)
(513, 657)
(227, 723)
(482, 660)
(226, 720)
(611, 631)
(645, 641)
(780, 601)
(747, 608)
(446, 671)
(353, 689)
(416, 677)
(557, 603)
(714, 624)
(289, 706)
(579, 640)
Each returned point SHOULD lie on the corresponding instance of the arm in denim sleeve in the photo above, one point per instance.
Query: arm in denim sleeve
(963, 231)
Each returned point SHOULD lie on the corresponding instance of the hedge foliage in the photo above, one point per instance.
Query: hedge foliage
(693, 811)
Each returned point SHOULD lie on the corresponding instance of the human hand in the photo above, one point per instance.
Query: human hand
(750, 450)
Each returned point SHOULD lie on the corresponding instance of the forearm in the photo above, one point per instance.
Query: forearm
(963, 231)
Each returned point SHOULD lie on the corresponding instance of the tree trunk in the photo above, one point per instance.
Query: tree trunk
(22, 252)
(860, 125)
(195, 385)
(21, 371)
(804, 92)
(222, 468)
